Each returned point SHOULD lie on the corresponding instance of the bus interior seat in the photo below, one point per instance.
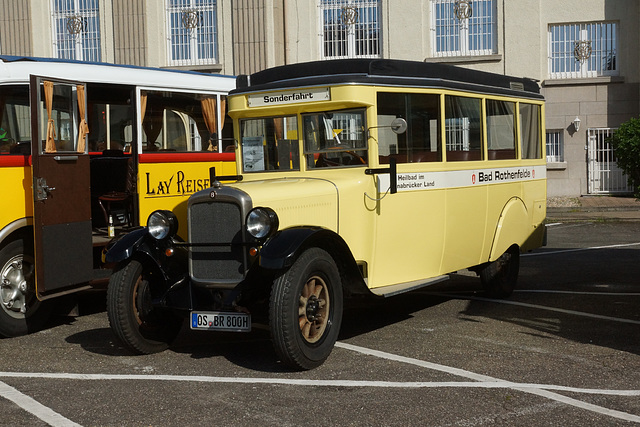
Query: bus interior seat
(112, 186)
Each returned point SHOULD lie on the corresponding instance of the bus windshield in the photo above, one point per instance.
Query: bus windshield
(270, 144)
(335, 139)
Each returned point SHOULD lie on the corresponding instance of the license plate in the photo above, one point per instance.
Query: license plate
(221, 321)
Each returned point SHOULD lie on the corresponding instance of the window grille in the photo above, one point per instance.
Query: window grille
(350, 28)
(555, 146)
(463, 27)
(583, 50)
(76, 29)
(193, 32)
(457, 131)
(605, 177)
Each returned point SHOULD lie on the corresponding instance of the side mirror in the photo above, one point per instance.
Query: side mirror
(398, 126)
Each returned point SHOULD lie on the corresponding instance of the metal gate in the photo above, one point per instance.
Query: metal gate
(605, 177)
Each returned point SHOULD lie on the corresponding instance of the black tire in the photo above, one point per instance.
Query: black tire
(138, 325)
(21, 312)
(499, 277)
(305, 311)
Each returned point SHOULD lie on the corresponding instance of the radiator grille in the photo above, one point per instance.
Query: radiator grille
(216, 222)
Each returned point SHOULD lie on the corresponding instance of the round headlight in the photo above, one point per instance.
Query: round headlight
(262, 223)
(162, 224)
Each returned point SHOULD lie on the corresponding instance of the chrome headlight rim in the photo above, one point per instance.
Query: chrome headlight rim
(162, 224)
(262, 223)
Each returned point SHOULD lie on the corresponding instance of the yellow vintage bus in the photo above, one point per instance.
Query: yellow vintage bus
(87, 151)
(353, 176)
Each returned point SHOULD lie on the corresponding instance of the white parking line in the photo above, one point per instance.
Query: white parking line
(592, 293)
(623, 245)
(488, 382)
(479, 381)
(34, 407)
(538, 390)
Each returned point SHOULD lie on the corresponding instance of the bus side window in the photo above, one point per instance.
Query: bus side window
(182, 122)
(501, 129)
(463, 118)
(421, 142)
(530, 131)
(15, 128)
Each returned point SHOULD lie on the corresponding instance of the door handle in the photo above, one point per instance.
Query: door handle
(42, 190)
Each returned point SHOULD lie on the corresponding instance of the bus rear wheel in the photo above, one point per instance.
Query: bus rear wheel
(305, 310)
(20, 310)
(499, 277)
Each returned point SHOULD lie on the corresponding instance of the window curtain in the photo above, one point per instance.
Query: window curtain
(278, 124)
(50, 144)
(223, 111)
(462, 120)
(84, 127)
(501, 133)
(210, 118)
(151, 120)
(530, 131)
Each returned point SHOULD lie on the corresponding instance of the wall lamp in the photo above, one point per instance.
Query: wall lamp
(576, 123)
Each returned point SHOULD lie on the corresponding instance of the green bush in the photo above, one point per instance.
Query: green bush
(626, 145)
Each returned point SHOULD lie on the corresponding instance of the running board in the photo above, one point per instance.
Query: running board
(389, 291)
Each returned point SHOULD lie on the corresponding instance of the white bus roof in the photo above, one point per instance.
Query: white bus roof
(17, 69)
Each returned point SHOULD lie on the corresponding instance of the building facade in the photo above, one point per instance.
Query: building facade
(584, 53)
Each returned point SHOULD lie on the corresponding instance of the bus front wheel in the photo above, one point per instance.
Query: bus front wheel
(499, 277)
(305, 310)
(141, 327)
(20, 310)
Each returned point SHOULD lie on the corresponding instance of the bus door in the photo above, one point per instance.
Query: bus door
(61, 186)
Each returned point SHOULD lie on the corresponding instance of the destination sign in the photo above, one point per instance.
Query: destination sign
(289, 97)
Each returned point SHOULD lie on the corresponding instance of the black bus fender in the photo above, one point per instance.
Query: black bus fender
(139, 244)
(127, 245)
(282, 250)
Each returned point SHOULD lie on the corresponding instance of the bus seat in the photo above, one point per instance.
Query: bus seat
(114, 180)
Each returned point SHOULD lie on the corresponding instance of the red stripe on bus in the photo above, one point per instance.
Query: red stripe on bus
(15, 161)
(186, 157)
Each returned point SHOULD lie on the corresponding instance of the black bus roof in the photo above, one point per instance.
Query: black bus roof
(386, 72)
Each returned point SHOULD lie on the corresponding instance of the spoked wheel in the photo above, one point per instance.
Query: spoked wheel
(499, 277)
(140, 326)
(305, 311)
(20, 310)
(313, 309)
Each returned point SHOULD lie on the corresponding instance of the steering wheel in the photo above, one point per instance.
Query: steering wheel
(355, 158)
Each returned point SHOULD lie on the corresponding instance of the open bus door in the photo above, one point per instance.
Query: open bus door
(61, 187)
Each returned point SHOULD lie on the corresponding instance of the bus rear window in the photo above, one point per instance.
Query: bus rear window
(530, 131)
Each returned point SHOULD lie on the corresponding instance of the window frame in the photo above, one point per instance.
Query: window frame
(446, 41)
(501, 152)
(83, 46)
(348, 43)
(563, 62)
(356, 155)
(524, 124)
(276, 154)
(195, 47)
(461, 132)
(406, 149)
(556, 145)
